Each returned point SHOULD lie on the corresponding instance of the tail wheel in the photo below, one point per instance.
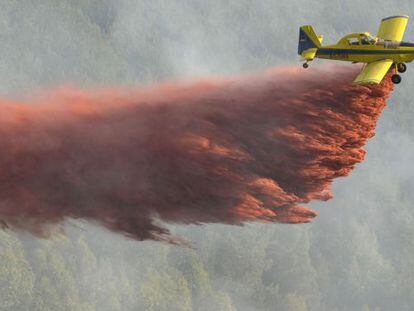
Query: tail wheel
(305, 65)
(396, 79)
(401, 67)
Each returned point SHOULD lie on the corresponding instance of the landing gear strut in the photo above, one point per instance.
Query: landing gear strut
(396, 78)
(400, 67)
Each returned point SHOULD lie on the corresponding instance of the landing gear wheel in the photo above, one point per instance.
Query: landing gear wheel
(401, 67)
(396, 79)
(305, 65)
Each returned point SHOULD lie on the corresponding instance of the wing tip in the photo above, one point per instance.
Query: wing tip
(395, 16)
(366, 82)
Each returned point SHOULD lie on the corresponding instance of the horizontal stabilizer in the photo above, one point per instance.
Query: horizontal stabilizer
(309, 54)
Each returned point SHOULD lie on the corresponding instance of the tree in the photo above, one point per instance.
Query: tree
(16, 275)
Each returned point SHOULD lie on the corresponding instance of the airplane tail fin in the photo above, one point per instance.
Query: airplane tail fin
(308, 39)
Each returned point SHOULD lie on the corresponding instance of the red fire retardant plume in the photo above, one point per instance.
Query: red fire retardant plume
(251, 148)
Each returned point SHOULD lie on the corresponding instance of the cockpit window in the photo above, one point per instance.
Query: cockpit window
(367, 40)
(364, 40)
(361, 39)
(353, 41)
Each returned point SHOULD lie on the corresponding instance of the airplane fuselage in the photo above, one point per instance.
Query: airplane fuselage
(403, 53)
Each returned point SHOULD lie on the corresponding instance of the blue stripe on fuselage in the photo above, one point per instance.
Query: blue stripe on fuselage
(406, 43)
(328, 51)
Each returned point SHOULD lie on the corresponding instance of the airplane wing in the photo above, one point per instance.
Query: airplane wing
(374, 72)
(393, 28)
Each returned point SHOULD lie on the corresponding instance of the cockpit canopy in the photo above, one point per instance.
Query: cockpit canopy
(364, 38)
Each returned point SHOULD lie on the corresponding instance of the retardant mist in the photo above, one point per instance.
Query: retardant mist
(251, 148)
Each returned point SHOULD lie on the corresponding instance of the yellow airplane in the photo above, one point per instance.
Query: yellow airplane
(379, 53)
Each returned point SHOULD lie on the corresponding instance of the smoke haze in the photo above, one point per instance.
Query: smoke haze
(357, 254)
